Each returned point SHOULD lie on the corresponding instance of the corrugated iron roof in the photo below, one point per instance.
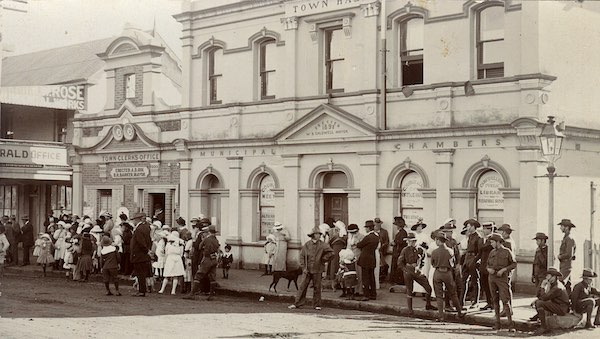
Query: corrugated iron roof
(55, 66)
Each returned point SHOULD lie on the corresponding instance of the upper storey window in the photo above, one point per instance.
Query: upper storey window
(334, 59)
(130, 86)
(490, 42)
(215, 60)
(411, 51)
(267, 69)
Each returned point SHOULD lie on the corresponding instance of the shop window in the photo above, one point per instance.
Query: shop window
(334, 59)
(60, 198)
(411, 198)
(104, 200)
(9, 200)
(215, 59)
(129, 86)
(411, 51)
(490, 42)
(266, 205)
(267, 68)
(490, 202)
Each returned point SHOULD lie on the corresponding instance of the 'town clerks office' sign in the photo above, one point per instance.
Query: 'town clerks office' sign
(129, 172)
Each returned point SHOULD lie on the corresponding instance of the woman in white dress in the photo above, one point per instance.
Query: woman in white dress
(423, 240)
(173, 263)
(354, 237)
(282, 236)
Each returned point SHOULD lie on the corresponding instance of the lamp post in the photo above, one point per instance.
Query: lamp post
(551, 141)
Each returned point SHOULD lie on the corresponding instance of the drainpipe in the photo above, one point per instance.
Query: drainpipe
(383, 86)
(592, 211)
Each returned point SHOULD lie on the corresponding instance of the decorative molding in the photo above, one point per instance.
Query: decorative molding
(309, 192)
(258, 174)
(209, 44)
(290, 23)
(510, 193)
(469, 193)
(388, 192)
(316, 174)
(341, 19)
(401, 170)
(371, 9)
(428, 193)
(202, 183)
(476, 170)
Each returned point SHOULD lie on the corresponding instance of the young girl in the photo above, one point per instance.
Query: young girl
(187, 261)
(110, 264)
(173, 263)
(38, 245)
(46, 253)
(347, 270)
(59, 245)
(270, 248)
(226, 261)
(161, 243)
(68, 257)
(85, 260)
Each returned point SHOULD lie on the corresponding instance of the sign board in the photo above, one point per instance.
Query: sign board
(55, 96)
(307, 7)
(489, 196)
(11, 153)
(411, 197)
(131, 157)
(129, 172)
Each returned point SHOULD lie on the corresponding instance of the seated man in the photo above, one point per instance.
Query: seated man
(584, 298)
(553, 300)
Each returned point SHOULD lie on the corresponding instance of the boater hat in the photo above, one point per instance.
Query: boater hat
(277, 226)
(138, 215)
(489, 224)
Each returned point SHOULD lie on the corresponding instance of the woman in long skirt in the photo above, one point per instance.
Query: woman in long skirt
(423, 241)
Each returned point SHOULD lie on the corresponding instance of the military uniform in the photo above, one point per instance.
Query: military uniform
(501, 258)
(566, 255)
(555, 301)
(484, 253)
(470, 272)
(443, 260)
(540, 265)
(411, 261)
(453, 245)
(209, 249)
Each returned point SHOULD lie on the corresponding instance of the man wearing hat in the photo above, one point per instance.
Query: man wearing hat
(470, 272)
(140, 246)
(500, 263)
(411, 260)
(484, 253)
(506, 231)
(566, 254)
(367, 261)
(209, 249)
(313, 256)
(384, 244)
(26, 236)
(444, 261)
(203, 224)
(585, 298)
(397, 276)
(540, 260)
(554, 301)
(447, 229)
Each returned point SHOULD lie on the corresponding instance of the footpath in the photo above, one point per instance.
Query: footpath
(251, 284)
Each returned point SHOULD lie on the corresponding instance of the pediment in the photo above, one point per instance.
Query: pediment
(326, 123)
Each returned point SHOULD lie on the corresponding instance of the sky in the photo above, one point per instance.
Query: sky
(55, 23)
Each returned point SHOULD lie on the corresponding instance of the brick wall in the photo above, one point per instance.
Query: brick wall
(120, 85)
(90, 131)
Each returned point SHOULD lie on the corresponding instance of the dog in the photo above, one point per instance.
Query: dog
(291, 275)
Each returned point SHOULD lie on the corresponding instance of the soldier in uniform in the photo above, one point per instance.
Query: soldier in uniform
(585, 298)
(452, 244)
(443, 261)
(470, 271)
(566, 255)
(397, 277)
(484, 253)
(500, 263)
(540, 260)
(411, 261)
(554, 301)
(208, 266)
(196, 252)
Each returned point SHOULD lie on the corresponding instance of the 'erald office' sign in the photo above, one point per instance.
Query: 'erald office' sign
(27, 155)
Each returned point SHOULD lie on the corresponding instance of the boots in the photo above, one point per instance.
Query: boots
(428, 305)
(213, 288)
(409, 304)
(511, 324)
(543, 329)
(195, 289)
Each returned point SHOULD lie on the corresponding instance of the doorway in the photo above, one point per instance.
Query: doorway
(157, 205)
(336, 206)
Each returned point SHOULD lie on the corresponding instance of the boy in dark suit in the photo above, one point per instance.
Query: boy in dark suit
(367, 261)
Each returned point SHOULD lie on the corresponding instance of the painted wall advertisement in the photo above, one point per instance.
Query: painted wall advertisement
(11, 153)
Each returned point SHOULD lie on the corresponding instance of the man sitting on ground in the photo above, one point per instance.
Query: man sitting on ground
(584, 298)
(553, 300)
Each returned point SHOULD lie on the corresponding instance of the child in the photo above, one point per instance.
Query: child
(38, 245)
(4, 245)
(85, 260)
(347, 270)
(76, 250)
(270, 248)
(173, 263)
(46, 256)
(68, 257)
(226, 261)
(159, 264)
(187, 260)
(110, 265)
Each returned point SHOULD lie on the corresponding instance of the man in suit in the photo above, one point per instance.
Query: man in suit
(397, 276)
(14, 248)
(367, 261)
(27, 238)
(140, 244)
(384, 241)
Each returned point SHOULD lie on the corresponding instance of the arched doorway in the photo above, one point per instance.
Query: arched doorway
(411, 198)
(211, 200)
(490, 201)
(335, 199)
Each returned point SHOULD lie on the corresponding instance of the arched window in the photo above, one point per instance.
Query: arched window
(411, 51)
(266, 205)
(411, 199)
(267, 70)
(490, 42)
(490, 202)
(215, 57)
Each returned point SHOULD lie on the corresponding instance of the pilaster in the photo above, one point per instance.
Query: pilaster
(443, 173)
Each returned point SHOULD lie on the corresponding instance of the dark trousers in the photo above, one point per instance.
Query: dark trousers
(125, 264)
(26, 252)
(396, 276)
(551, 307)
(470, 283)
(368, 280)
(410, 277)
(141, 270)
(14, 251)
(443, 277)
(485, 286)
(500, 289)
(306, 279)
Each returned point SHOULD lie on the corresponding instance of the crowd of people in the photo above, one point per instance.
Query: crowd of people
(140, 247)
(454, 272)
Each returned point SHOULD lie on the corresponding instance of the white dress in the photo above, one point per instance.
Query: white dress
(423, 238)
(432, 247)
(173, 262)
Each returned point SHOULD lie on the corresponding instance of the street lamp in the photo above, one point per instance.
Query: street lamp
(551, 142)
